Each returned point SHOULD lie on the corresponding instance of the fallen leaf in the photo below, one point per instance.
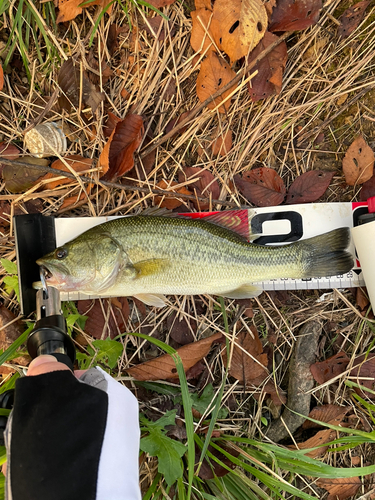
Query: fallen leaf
(166, 201)
(321, 437)
(206, 185)
(102, 68)
(103, 318)
(269, 5)
(117, 156)
(351, 18)
(201, 35)
(363, 374)
(309, 186)
(358, 162)
(248, 362)
(153, 27)
(340, 488)
(367, 190)
(19, 179)
(1, 78)
(176, 121)
(125, 94)
(181, 330)
(361, 298)
(203, 4)
(76, 162)
(69, 9)
(293, 15)
(261, 186)
(237, 26)
(160, 3)
(270, 69)
(213, 75)
(223, 143)
(69, 80)
(163, 367)
(110, 125)
(332, 414)
(8, 151)
(323, 371)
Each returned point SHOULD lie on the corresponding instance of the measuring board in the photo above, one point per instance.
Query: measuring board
(275, 225)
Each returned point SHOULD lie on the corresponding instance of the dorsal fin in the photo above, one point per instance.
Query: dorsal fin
(234, 220)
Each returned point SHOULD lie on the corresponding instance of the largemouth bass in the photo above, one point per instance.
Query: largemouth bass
(152, 256)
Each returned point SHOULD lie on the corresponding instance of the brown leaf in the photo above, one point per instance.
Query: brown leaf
(243, 366)
(163, 368)
(361, 299)
(201, 33)
(76, 162)
(340, 488)
(332, 414)
(206, 185)
(323, 371)
(223, 143)
(309, 186)
(351, 18)
(270, 69)
(117, 156)
(180, 330)
(261, 186)
(358, 163)
(160, 3)
(203, 4)
(214, 74)
(101, 68)
(367, 190)
(9, 152)
(69, 9)
(175, 121)
(1, 78)
(169, 202)
(211, 469)
(363, 374)
(8, 332)
(110, 125)
(153, 27)
(69, 80)
(237, 26)
(292, 15)
(19, 179)
(103, 320)
(321, 437)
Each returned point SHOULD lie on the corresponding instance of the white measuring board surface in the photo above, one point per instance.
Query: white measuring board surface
(275, 225)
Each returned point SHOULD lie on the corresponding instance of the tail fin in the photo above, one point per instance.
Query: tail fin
(326, 254)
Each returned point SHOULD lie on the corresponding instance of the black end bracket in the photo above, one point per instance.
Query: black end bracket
(35, 236)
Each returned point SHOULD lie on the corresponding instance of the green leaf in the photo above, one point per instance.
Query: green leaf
(11, 283)
(201, 403)
(9, 266)
(108, 351)
(167, 450)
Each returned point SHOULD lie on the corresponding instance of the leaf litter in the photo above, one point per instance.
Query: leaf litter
(263, 129)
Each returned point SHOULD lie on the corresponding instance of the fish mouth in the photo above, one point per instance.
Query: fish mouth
(53, 275)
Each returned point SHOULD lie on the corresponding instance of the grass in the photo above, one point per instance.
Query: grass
(265, 134)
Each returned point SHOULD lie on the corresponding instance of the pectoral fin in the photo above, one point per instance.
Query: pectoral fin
(152, 299)
(244, 292)
(151, 266)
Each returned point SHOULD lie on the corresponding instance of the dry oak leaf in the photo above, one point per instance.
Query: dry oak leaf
(363, 374)
(69, 80)
(261, 186)
(203, 4)
(368, 189)
(320, 438)
(153, 26)
(223, 143)
(214, 74)
(270, 69)
(248, 363)
(1, 78)
(164, 368)
(292, 15)
(19, 179)
(351, 18)
(206, 185)
(69, 9)
(77, 162)
(117, 156)
(358, 162)
(340, 488)
(323, 371)
(201, 35)
(237, 26)
(160, 3)
(105, 318)
(9, 152)
(309, 186)
(332, 414)
(167, 202)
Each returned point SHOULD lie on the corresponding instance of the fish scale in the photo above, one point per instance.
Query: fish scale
(149, 256)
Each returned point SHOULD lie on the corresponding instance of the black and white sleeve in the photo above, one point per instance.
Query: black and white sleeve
(70, 439)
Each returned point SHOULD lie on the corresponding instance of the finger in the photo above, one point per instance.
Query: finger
(45, 364)
(4, 468)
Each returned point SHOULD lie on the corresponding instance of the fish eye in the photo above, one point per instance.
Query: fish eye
(61, 253)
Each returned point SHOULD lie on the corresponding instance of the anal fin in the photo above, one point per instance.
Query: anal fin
(152, 299)
(247, 291)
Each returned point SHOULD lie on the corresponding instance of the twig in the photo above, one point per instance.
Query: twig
(48, 107)
(122, 187)
(326, 122)
(226, 87)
